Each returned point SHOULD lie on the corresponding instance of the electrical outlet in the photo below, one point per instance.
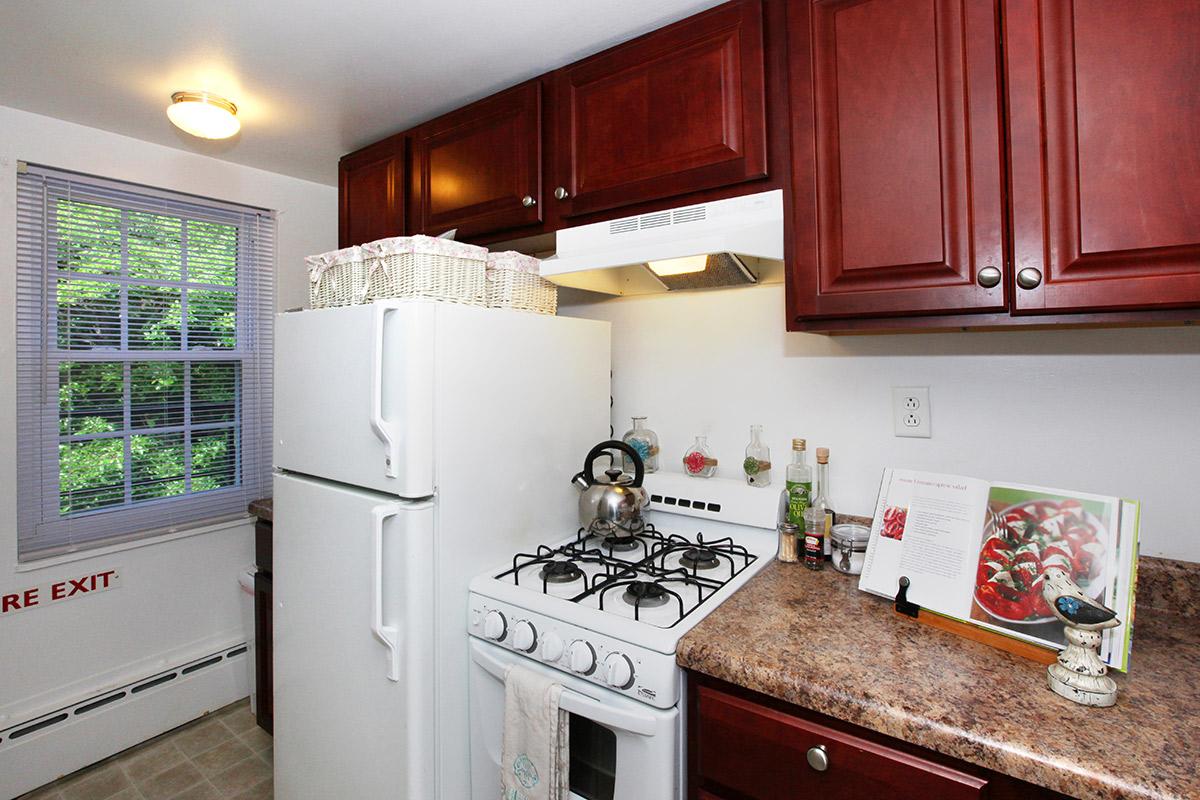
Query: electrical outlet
(911, 411)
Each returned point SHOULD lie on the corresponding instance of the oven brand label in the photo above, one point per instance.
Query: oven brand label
(647, 693)
(57, 591)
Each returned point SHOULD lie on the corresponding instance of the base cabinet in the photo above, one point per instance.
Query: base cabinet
(744, 746)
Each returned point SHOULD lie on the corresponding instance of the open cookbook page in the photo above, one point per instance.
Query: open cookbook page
(923, 530)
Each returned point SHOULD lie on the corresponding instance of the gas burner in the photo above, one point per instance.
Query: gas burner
(619, 543)
(560, 572)
(645, 594)
(699, 558)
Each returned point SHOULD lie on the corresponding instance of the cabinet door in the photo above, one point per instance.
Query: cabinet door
(756, 752)
(478, 169)
(371, 193)
(676, 111)
(1104, 103)
(898, 191)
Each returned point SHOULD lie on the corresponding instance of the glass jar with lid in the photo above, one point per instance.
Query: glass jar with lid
(848, 546)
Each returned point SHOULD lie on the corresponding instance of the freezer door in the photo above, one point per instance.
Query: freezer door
(353, 644)
(354, 395)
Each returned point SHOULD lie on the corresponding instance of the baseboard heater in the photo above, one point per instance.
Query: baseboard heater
(123, 716)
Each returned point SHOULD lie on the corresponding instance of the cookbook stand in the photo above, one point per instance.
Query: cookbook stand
(907, 608)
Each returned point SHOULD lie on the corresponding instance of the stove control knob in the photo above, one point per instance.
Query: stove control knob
(494, 626)
(618, 671)
(582, 657)
(552, 647)
(524, 637)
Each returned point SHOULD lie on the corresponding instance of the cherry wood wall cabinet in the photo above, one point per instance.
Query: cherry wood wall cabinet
(1106, 215)
(744, 746)
(674, 112)
(479, 169)
(898, 202)
(371, 192)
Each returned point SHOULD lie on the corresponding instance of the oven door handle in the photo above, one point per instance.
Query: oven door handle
(576, 703)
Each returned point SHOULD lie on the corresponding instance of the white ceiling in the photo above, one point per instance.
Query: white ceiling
(313, 80)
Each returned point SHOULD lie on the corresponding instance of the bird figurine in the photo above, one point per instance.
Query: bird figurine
(1079, 674)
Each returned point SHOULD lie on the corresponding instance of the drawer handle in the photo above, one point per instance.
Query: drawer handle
(818, 758)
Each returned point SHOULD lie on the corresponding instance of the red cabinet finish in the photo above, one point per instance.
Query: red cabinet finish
(897, 165)
(1104, 105)
(479, 169)
(371, 193)
(676, 111)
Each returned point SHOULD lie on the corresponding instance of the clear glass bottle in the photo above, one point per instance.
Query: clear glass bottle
(757, 466)
(799, 483)
(645, 442)
(698, 461)
(821, 500)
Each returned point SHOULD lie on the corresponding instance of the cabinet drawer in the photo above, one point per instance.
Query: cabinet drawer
(758, 752)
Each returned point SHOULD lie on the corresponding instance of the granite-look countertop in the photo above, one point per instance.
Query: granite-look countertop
(813, 639)
(262, 509)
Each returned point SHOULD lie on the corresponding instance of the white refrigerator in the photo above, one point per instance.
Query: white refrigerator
(416, 444)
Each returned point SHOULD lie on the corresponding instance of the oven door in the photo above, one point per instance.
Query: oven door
(620, 749)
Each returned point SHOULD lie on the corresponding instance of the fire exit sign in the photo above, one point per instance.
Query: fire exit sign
(56, 591)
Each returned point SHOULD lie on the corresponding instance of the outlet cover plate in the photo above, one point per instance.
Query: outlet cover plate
(911, 412)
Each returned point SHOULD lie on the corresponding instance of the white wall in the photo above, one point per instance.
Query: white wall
(177, 598)
(1105, 411)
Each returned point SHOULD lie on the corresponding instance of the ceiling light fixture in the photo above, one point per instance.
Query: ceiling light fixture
(205, 115)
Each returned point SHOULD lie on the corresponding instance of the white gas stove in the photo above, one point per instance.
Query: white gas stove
(604, 614)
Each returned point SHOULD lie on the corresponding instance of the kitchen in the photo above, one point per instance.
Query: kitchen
(1003, 218)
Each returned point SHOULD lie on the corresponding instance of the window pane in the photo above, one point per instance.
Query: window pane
(212, 253)
(156, 394)
(155, 246)
(154, 318)
(91, 397)
(212, 319)
(89, 315)
(91, 474)
(88, 237)
(214, 459)
(214, 391)
(156, 466)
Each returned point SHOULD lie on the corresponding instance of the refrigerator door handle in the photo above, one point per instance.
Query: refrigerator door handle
(388, 634)
(383, 429)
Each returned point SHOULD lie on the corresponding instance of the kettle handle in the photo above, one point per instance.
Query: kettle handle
(639, 469)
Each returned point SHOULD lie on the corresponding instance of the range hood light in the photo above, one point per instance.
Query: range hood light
(678, 266)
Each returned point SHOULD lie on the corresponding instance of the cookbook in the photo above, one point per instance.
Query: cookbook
(975, 551)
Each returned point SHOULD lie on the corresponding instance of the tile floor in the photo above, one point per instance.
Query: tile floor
(221, 756)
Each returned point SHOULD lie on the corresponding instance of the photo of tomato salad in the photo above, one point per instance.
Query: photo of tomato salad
(1023, 541)
(894, 519)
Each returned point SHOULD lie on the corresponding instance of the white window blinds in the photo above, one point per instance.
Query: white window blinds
(143, 360)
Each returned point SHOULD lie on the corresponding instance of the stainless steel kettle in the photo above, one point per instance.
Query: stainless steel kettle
(614, 503)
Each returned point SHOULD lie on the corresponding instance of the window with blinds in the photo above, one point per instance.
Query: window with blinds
(143, 360)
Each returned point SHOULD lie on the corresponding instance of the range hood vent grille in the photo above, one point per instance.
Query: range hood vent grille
(658, 219)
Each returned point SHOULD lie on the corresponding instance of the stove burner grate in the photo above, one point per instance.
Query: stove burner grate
(699, 558)
(560, 572)
(645, 594)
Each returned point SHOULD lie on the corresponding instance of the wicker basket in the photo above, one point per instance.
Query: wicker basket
(513, 282)
(337, 278)
(424, 267)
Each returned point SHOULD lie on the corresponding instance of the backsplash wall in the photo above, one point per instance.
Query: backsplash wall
(1105, 411)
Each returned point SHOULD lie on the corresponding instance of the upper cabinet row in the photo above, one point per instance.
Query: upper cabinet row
(676, 112)
(945, 163)
(978, 162)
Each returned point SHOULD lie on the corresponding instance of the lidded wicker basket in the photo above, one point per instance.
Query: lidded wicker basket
(425, 267)
(513, 281)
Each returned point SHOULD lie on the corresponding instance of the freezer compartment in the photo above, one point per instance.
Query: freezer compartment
(353, 643)
(354, 395)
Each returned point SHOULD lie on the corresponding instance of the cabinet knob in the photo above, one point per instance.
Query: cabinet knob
(818, 758)
(528, 201)
(1029, 278)
(560, 193)
(988, 277)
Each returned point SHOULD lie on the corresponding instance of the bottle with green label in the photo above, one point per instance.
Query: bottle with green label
(799, 483)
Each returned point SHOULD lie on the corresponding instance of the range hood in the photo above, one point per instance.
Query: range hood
(731, 242)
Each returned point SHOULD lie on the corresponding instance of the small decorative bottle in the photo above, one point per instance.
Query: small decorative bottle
(757, 465)
(698, 461)
(816, 518)
(645, 442)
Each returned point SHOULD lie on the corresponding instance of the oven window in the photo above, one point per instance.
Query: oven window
(593, 759)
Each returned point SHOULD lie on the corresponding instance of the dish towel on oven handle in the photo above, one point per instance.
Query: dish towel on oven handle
(535, 754)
